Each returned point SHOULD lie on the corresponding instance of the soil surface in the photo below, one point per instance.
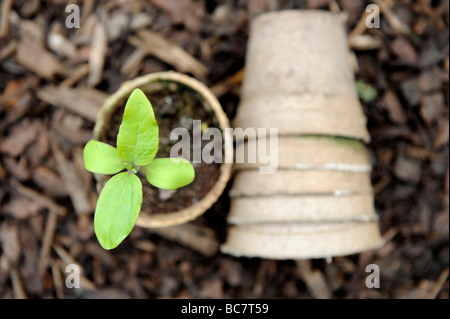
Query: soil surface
(53, 79)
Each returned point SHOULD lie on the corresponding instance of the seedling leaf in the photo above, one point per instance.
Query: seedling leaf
(117, 209)
(102, 158)
(137, 141)
(169, 173)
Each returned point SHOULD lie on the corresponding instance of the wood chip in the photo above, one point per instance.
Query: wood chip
(256, 7)
(47, 241)
(212, 288)
(410, 91)
(74, 187)
(231, 270)
(116, 25)
(30, 8)
(88, 6)
(20, 137)
(133, 62)
(49, 181)
(221, 88)
(16, 92)
(32, 31)
(69, 127)
(361, 26)
(420, 153)
(6, 6)
(39, 149)
(95, 250)
(84, 175)
(83, 35)
(408, 169)
(57, 279)
(18, 109)
(75, 75)
(402, 48)
(140, 20)
(395, 23)
(21, 208)
(430, 80)
(37, 197)
(314, 279)
(8, 49)
(19, 291)
(442, 135)
(2, 175)
(437, 286)
(9, 240)
(394, 107)
(18, 169)
(169, 52)
(99, 46)
(432, 107)
(82, 101)
(199, 238)
(11, 88)
(58, 43)
(85, 283)
(187, 12)
(42, 62)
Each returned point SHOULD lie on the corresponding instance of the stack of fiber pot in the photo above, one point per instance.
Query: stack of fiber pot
(319, 202)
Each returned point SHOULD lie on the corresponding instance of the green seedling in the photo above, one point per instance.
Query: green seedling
(120, 201)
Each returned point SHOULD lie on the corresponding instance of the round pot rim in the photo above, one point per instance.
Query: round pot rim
(197, 209)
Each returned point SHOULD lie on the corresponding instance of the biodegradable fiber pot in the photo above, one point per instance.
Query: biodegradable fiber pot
(319, 203)
(153, 84)
(298, 76)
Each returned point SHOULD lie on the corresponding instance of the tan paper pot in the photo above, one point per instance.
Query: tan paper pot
(318, 202)
(298, 208)
(188, 89)
(298, 77)
(302, 241)
(304, 153)
(300, 182)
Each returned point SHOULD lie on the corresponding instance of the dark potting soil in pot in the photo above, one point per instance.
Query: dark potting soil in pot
(173, 110)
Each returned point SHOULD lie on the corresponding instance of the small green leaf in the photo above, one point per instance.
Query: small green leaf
(137, 141)
(102, 158)
(117, 209)
(366, 92)
(169, 173)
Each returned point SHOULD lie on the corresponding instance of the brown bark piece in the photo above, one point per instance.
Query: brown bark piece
(99, 45)
(9, 238)
(42, 62)
(21, 208)
(6, 6)
(49, 181)
(82, 101)
(19, 139)
(187, 12)
(199, 238)
(169, 52)
(73, 185)
(408, 169)
(394, 108)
